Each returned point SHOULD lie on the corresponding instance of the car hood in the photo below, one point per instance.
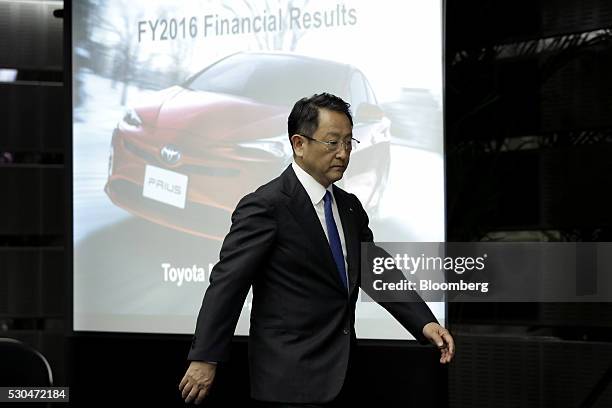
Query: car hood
(213, 116)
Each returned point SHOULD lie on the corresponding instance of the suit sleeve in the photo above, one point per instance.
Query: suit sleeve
(409, 309)
(243, 251)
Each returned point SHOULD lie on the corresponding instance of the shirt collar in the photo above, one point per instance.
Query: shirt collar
(313, 188)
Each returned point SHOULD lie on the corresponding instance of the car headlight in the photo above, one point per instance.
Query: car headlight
(131, 118)
(278, 146)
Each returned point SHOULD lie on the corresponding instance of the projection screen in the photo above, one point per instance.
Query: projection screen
(180, 109)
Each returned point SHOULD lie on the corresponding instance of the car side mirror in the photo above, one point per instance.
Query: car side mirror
(367, 112)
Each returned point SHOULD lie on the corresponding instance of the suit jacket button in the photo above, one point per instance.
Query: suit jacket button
(345, 331)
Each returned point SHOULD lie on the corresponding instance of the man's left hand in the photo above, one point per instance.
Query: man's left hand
(439, 336)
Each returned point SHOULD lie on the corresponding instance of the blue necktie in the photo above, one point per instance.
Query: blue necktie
(334, 237)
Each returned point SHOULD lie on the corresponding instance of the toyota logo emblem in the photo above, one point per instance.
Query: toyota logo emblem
(171, 154)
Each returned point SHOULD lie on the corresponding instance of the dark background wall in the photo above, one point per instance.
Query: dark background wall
(528, 148)
(32, 129)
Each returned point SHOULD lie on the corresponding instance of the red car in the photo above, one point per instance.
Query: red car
(206, 143)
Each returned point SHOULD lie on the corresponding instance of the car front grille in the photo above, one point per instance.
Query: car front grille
(199, 169)
(198, 219)
(142, 153)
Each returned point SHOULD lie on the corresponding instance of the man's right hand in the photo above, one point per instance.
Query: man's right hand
(197, 381)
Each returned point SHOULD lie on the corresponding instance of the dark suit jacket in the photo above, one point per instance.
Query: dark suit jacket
(302, 318)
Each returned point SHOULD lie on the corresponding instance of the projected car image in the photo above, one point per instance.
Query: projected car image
(204, 144)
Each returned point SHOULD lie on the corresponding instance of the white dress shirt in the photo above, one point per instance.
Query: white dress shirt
(316, 192)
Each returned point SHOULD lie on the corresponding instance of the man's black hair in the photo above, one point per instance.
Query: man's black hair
(304, 117)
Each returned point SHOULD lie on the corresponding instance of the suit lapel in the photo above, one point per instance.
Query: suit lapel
(301, 208)
(347, 217)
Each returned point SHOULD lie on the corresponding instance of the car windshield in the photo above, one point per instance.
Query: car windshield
(272, 79)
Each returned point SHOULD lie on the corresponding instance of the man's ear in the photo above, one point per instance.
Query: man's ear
(298, 145)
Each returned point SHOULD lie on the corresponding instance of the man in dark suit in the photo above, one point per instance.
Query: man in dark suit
(296, 240)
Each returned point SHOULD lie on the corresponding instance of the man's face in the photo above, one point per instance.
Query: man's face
(323, 165)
